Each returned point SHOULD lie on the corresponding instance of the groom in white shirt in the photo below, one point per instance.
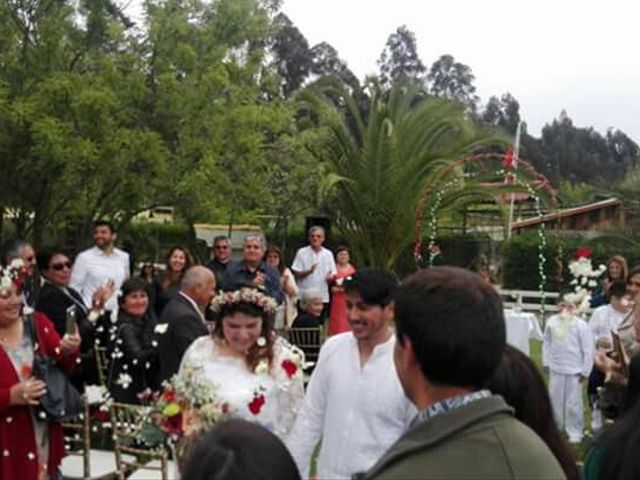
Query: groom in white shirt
(354, 400)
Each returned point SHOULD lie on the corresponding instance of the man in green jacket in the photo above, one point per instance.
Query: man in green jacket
(450, 336)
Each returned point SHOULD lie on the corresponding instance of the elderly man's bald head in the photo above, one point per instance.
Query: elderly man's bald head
(199, 283)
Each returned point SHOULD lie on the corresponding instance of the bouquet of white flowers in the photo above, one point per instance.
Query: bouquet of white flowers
(584, 279)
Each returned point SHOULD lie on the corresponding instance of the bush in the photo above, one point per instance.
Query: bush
(520, 259)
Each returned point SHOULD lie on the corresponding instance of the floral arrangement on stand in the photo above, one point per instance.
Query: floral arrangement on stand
(584, 279)
(183, 407)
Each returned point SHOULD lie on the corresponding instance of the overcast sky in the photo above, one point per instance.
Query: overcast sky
(581, 56)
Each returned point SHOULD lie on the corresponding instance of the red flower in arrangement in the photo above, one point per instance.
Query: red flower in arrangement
(169, 395)
(225, 408)
(102, 416)
(173, 425)
(256, 404)
(582, 252)
(289, 367)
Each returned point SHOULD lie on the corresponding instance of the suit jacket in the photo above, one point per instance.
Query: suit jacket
(184, 325)
(480, 440)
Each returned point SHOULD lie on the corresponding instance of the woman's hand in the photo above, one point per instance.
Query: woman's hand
(103, 294)
(70, 343)
(27, 392)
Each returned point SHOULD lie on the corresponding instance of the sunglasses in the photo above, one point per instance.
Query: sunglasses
(221, 247)
(60, 266)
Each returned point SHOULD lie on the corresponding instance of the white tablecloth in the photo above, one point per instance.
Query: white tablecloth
(521, 327)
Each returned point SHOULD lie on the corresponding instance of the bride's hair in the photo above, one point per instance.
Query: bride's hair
(256, 353)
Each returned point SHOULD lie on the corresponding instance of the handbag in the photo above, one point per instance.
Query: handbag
(62, 401)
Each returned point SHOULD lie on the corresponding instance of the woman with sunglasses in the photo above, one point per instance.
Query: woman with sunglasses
(58, 301)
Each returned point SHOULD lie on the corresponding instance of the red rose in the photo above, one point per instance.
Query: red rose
(225, 408)
(169, 395)
(256, 404)
(582, 252)
(102, 416)
(289, 367)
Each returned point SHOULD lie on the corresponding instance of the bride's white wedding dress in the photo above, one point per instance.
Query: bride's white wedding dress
(270, 397)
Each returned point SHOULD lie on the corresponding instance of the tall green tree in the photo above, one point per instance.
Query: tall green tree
(453, 80)
(293, 57)
(380, 167)
(399, 61)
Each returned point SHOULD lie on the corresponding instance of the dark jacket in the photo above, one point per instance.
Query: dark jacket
(54, 302)
(219, 269)
(134, 353)
(238, 275)
(184, 325)
(481, 440)
(160, 295)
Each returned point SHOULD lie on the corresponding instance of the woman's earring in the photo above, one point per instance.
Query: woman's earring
(261, 341)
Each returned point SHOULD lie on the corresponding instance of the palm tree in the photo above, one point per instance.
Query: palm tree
(383, 164)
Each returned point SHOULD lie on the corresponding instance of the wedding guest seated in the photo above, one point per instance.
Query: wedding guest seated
(450, 333)
(133, 358)
(30, 448)
(519, 382)
(310, 317)
(59, 301)
(311, 304)
(239, 450)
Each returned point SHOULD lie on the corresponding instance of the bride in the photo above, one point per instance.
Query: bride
(255, 373)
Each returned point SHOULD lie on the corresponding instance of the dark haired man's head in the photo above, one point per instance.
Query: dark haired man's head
(104, 234)
(375, 285)
(239, 450)
(369, 301)
(450, 328)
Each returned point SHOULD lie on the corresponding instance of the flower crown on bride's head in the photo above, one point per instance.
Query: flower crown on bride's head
(12, 274)
(244, 295)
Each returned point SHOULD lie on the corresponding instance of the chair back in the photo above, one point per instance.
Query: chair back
(101, 364)
(127, 443)
(77, 437)
(309, 340)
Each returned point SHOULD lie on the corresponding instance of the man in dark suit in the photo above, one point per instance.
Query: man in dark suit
(184, 318)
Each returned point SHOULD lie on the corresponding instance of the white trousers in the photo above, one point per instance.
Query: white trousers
(566, 399)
